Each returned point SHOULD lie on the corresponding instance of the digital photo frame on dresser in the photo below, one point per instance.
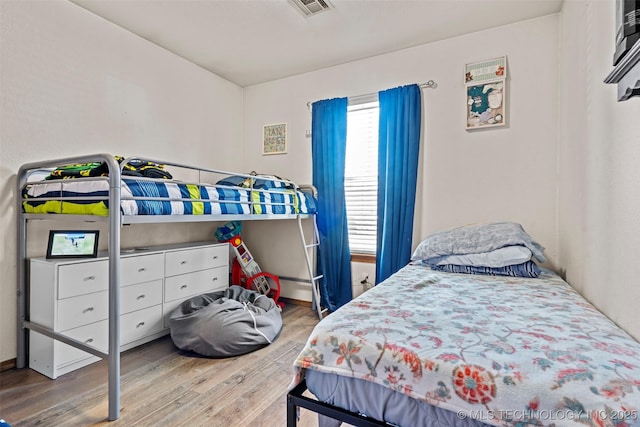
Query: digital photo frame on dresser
(73, 244)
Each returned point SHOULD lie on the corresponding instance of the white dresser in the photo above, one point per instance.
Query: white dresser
(72, 297)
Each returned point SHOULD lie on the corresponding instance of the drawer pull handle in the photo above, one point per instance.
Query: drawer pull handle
(140, 296)
(90, 340)
(140, 324)
(215, 257)
(140, 270)
(214, 279)
(183, 287)
(183, 262)
(87, 309)
(90, 278)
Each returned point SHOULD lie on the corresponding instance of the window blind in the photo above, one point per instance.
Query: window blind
(361, 176)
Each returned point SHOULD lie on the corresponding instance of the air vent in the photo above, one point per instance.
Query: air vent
(311, 7)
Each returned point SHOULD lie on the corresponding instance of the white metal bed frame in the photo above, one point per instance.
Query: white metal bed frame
(115, 221)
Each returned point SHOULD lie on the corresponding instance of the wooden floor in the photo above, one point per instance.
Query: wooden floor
(162, 386)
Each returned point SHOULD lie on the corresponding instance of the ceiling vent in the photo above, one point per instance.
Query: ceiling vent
(311, 7)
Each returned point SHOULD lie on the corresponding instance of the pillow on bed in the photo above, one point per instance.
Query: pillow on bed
(509, 255)
(475, 239)
(526, 269)
(267, 184)
(258, 183)
(235, 181)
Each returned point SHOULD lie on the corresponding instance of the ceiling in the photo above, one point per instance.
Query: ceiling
(253, 41)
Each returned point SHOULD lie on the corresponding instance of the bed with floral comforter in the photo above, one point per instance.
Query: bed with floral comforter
(505, 351)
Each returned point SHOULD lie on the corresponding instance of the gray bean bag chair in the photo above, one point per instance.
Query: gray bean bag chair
(225, 323)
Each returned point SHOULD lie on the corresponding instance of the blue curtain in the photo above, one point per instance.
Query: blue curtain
(328, 146)
(398, 150)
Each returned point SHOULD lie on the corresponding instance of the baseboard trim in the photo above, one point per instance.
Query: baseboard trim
(295, 302)
(7, 364)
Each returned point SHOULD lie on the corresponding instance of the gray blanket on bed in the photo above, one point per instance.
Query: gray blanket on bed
(474, 239)
(225, 323)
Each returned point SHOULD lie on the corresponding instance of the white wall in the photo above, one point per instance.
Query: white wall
(73, 83)
(599, 224)
(485, 175)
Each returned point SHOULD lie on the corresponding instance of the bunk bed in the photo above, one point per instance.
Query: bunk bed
(146, 192)
(434, 346)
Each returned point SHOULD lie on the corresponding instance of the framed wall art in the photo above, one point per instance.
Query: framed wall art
(274, 139)
(485, 88)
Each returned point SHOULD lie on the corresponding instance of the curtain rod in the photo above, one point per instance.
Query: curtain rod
(428, 84)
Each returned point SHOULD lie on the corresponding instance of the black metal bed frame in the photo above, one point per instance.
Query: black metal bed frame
(296, 400)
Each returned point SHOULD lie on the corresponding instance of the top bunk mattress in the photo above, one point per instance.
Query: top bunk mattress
(146, 196)
(506, 351)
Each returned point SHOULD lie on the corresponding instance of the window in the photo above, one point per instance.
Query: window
(361, 175)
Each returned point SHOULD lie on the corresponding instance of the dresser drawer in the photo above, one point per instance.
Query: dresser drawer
(133, 326)
(180, 287)
(143, 268)
(82, 278)
(95, 334)
(89, 308)
(142, 295)
(82, 310)
(139, 324)
(53, 358)
(188, 260)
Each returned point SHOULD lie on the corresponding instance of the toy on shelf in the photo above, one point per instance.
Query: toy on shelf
(245, 270)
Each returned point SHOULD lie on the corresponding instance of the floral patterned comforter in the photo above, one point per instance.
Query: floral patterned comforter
(505, 351)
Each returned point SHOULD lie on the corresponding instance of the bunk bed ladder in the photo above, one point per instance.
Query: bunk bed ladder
(315, 278)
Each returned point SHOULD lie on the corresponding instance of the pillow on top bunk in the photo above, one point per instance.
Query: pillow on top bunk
(234, 181)
(267, 182)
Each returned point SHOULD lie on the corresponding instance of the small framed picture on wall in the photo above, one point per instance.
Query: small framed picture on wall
(274, 139)
(485, 87)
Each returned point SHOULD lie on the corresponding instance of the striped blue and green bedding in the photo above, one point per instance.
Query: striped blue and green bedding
(159, 197)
